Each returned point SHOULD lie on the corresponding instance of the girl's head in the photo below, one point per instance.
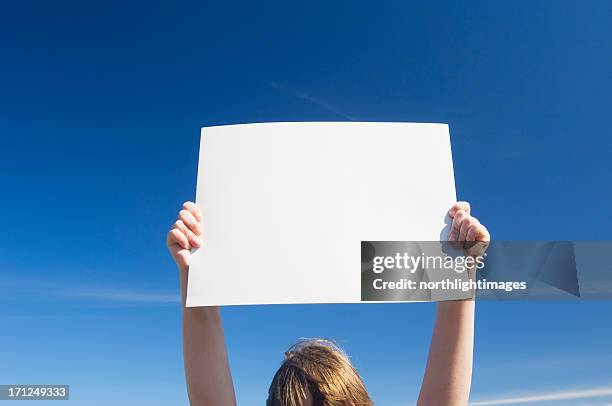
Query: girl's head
(317, 373)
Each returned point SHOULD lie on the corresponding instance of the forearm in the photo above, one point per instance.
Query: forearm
(449, 367)
(207, 371)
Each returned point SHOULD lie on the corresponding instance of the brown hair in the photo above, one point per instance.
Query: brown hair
(318, 370)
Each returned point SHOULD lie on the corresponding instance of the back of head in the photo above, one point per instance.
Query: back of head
(317, 372)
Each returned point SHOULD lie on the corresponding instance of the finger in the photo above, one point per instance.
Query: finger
(472, 230)
(458, 219)
(194, 240)
(193, 209)
(482, 234)
(190, 221)
(465, 226)
(177, 237)
(459, 206)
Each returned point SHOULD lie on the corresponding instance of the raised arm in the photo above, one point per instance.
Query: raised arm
(448, 374)
(209, 381)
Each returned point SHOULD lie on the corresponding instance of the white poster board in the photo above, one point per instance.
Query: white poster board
(286, 206)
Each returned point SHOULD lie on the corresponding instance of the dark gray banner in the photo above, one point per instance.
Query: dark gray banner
(34, 392)
(500, 270)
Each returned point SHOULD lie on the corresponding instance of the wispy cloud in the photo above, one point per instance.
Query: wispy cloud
(128, 296)
(548, 397)
(27, 290)
(306, 97)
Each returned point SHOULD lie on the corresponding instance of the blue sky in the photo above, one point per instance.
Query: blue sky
(100, 109)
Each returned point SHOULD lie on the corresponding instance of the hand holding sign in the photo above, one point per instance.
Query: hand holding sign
(185, 234)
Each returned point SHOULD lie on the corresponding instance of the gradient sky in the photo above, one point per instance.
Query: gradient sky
(100, 109)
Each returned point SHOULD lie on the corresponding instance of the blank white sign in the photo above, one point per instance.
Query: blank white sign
(286, 206)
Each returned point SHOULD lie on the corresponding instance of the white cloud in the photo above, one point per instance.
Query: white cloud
(26, 289)
(547, 397)
(129, 296)
(300, 95)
